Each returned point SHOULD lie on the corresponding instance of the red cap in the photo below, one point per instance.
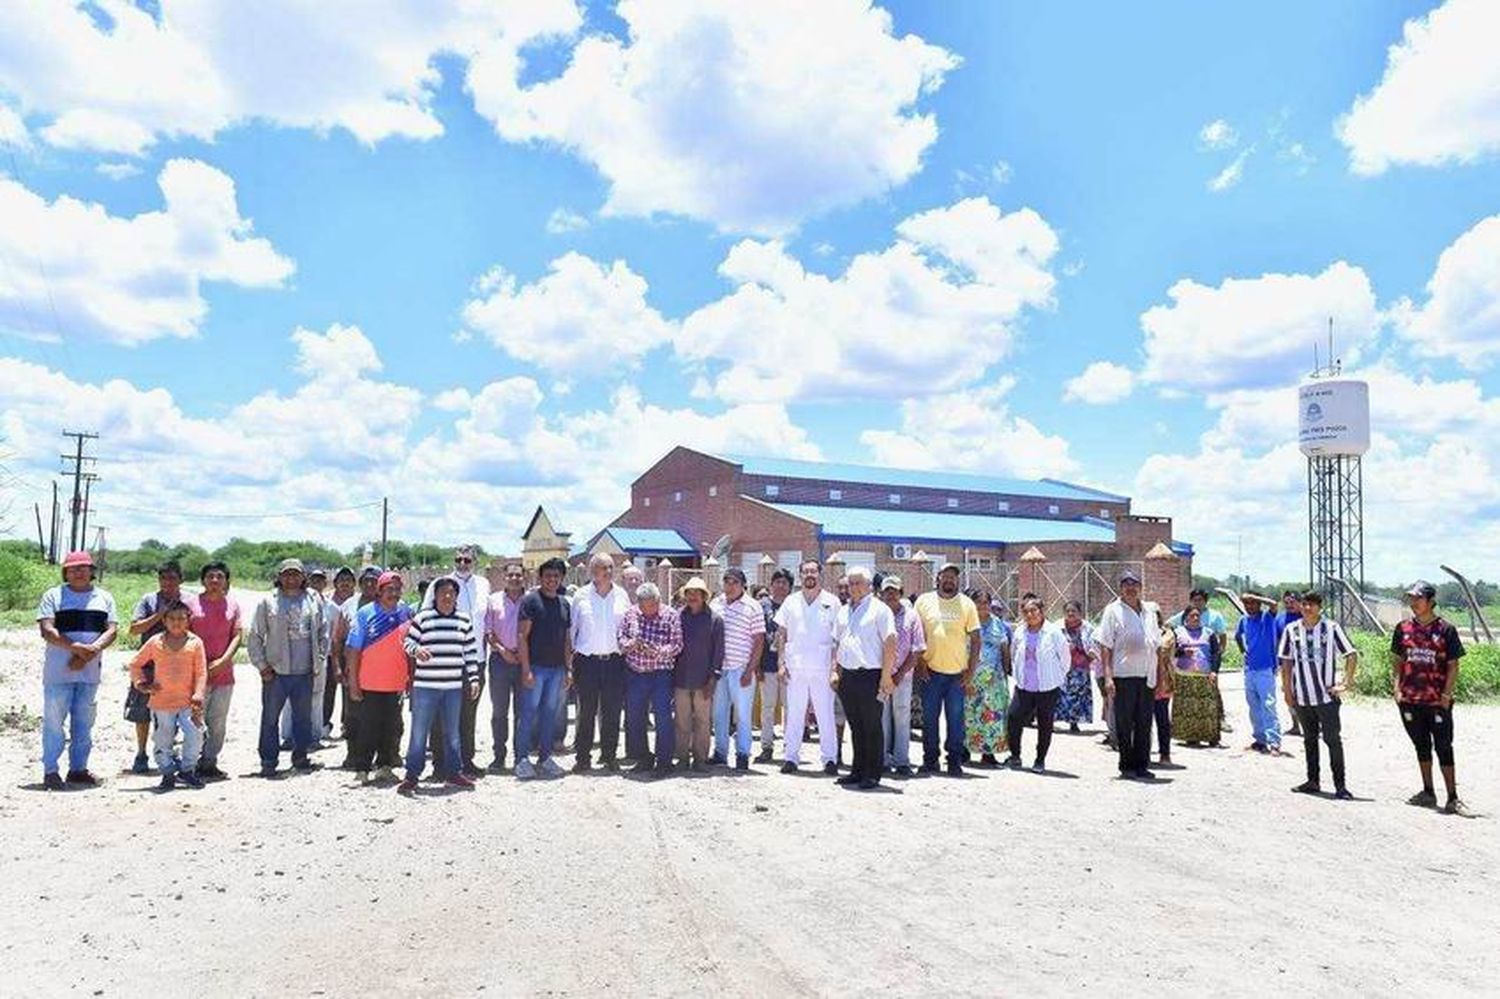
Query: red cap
(389, 577)
(78, 558)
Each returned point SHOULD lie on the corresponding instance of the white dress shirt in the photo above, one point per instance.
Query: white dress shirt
(596, 616)
(1132, 639)
(808, 627)
(861, 630)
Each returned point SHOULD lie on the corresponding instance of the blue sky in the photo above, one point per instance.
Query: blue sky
(893, 233)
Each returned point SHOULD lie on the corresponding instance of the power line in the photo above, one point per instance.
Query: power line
(208, 515)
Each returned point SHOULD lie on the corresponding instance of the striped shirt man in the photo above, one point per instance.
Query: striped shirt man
(1313, 653)
(743, 620)
(449, 640)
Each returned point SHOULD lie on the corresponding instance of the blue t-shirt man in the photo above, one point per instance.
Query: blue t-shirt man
(1257, 634)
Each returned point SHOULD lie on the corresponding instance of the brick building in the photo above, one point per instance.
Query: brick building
(1011, 535)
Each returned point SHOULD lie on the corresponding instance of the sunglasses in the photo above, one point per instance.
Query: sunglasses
(461, 560)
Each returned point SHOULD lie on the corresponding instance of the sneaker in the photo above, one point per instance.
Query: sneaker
(955, 769)
(847, 780)
(496, 766)
(1256, 747)
(765, 755)
(385, 774)
(664, 769)
(1144, 775)
(1423, 799)
(1073, 728)
(524, 769)
(989, 760)
(699, 767)
(82, 777)
(363, 778)
(304, 766)
(142, 764)
(931, 768)
(1457, 807)
(407, 787)
(52, 781)
(1308, 787)
(191, 779)
(583, 766)
(549, 768)
(742, 763)
(268, 770)
(168, 781)
(1224, 726)
(1013, 762)
(901, 771)
(787, 768)
(643, 766)
(211, 771)
(1039, 767)
(831, 769)
(472, 772)
(461, 780)
(718, 760)
(1342, 794)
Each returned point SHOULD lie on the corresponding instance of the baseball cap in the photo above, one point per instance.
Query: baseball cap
(78, 558)
(1129, 576)
(389, 577)
(948, 565)
(291, 564)
(316, 572)
(891, 583)
(370, 570)
(1422, 588)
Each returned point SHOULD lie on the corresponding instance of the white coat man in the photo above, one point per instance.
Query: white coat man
(805, 625)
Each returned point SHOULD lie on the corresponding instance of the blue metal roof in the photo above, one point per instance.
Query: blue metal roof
(650, 540)
(918, 478)
(970, 528)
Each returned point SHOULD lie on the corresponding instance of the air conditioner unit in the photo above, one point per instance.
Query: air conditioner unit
(901, 551)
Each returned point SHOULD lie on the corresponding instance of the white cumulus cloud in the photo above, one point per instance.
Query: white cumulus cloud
(127, 280)
(581, 317)
(1100, 383)
(1255, 332)
(923, 316)
(1461, 315)
(1218, 134)
(751, 117)
(1439, 100)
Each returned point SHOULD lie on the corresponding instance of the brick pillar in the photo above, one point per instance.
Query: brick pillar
(1164, 584)
(713, 574)
(664, 580)
(1030, 575)
(763, 570)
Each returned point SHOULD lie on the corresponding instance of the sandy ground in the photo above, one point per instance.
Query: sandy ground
(1216, 881)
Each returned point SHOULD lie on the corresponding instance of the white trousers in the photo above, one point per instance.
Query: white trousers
(804, 686)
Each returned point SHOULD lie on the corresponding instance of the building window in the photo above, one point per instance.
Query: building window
(677, 498)
(895, 499)
(1052, 508)
(835, 494)
(773, 490)
(952, 503)
(981, 563)
(1003, 506)
(713, 490)
(1104, 513)
(648, 501)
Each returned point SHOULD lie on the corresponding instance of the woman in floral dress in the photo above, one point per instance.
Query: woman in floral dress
(988, 698)
(1195, 703)
(1076, 704)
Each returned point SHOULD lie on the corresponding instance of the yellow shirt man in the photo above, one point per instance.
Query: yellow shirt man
(947, 623)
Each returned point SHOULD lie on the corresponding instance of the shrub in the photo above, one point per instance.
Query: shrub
(1478, 671)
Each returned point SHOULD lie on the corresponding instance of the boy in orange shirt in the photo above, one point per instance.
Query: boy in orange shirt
(177, 692)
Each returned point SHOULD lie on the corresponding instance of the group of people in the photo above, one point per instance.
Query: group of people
(683, 674)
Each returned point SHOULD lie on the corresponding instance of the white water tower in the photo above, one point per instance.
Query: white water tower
(1334, 433)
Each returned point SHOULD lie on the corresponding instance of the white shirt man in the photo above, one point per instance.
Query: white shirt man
(473, 593)
(1129, 635)
(805, 630)
(865, 635)
(598, 667)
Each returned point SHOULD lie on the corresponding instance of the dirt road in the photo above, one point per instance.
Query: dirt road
(1216, 881)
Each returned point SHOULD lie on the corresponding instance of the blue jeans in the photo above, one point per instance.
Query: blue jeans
(1260, 695)
(539, 707)
(74, 703)
(505, 690)
(427, 704)
(726, 692)
(653, 689)
(297, 689)
(168, 724)
(943, 693)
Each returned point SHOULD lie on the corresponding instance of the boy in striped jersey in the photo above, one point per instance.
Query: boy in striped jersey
(445, 669)
(1309, 652)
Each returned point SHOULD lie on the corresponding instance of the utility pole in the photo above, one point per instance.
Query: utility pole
(52, 535)
(41, 540)
(83, 529)
(80, 438)
(385, 519)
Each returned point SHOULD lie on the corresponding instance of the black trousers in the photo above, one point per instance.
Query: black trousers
(1322, 719)
(1161, 710)
(1430, 727)
(1024, 706)
(468, 717)
(330, 692)
(600, 683)
(859, 692)
(378, 734)
(1133, 701)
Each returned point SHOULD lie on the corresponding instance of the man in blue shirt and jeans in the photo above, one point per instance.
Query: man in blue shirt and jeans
(1257, 635)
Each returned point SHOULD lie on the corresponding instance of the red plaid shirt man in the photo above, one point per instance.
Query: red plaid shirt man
(650, 641)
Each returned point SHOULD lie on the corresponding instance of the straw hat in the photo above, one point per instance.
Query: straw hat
(696, 583)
